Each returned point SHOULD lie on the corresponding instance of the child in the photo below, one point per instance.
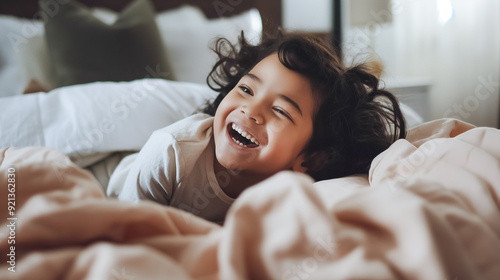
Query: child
(287, 103)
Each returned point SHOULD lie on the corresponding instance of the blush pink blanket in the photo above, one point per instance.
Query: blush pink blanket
(428, 209)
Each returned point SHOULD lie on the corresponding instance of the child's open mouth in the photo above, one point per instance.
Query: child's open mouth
(242, 137)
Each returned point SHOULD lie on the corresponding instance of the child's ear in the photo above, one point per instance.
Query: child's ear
(298, 164)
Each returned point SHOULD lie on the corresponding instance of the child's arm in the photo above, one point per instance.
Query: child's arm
(153, 174)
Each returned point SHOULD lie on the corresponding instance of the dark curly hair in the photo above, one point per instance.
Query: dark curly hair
(354, 120)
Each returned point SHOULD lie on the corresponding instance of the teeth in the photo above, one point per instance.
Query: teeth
(238, 142)
(244, 134)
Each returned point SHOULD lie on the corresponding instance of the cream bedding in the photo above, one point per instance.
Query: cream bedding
(428, 209)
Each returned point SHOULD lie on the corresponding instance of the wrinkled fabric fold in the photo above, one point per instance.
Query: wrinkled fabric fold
(426, 210)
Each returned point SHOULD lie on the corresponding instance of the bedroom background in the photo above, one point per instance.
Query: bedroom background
(446, 50)
(441, 56)
(427, 209)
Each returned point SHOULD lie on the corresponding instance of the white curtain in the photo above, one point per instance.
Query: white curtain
(460, 56)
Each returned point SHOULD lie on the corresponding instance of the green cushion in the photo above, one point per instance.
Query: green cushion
(84, 49)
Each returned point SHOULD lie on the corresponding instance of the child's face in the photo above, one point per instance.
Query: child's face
(264, 123)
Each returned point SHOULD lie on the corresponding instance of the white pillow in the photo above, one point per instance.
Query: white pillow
(16, 34)
(188, 36)
(100, 117)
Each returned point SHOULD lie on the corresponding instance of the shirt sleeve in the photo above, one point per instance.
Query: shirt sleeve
(155, 172)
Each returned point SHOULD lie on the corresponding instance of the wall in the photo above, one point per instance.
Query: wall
(460, 57)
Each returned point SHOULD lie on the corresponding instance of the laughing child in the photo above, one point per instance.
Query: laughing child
(287, 103)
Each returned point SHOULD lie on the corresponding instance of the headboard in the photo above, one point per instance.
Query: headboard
(270, 10)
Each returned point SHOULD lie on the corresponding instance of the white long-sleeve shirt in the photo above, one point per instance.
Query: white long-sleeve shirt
(175, 167)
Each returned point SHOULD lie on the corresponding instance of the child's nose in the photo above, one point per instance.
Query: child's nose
(253, 114)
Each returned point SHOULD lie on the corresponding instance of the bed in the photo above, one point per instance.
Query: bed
(429, 208)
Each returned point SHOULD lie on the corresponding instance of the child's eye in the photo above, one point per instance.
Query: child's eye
(284, 113)
(246, 90)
